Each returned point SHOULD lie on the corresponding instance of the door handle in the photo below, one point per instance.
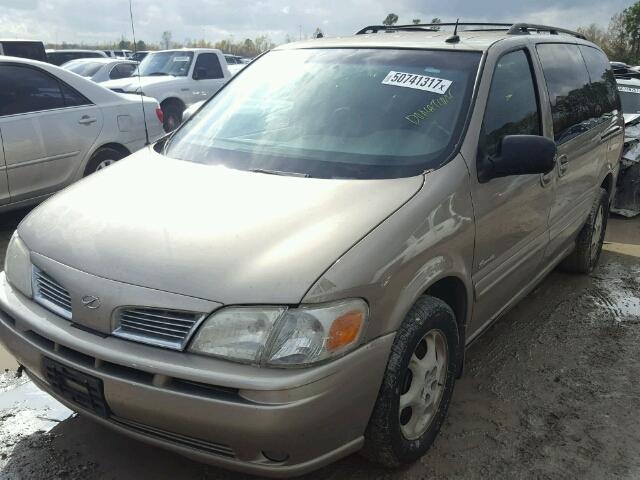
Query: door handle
(563, 165)
(87, 120)
(545, 178)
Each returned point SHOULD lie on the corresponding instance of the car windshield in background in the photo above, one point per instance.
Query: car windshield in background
(166, 63)
(335, 113)
(630, 98)
(84, 69)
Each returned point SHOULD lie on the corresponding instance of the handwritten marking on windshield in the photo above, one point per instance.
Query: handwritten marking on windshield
(425, 112)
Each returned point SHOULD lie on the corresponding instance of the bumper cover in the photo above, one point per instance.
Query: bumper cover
(214, 411)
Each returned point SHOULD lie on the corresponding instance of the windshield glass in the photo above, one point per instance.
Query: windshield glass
(166, 63)
(630, 98)
(85, 69)
(335, 113)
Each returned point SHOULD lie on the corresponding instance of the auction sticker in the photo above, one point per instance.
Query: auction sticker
(419, 82)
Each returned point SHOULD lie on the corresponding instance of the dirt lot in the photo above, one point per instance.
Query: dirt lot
(551, 391)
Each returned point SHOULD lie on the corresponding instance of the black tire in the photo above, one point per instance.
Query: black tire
(385, 442)
(172, 112)
(102, 155)
(588, 249)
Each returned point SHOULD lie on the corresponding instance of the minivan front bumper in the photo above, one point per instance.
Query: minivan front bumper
(211, 410)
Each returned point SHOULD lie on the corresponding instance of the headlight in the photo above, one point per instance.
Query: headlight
(283, 337)
(17, 265)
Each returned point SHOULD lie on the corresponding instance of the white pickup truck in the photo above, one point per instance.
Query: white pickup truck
(177, 79)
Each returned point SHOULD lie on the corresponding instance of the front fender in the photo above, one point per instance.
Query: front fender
(429, 238)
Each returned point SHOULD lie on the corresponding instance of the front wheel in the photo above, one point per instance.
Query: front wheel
(591, 238)
(417, 385)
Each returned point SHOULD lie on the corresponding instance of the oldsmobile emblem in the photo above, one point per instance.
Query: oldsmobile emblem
(91, 301)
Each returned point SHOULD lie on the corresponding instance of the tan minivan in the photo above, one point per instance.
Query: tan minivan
(294, 274)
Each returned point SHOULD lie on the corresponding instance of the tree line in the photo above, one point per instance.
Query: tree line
(245, 48)
(620, 40)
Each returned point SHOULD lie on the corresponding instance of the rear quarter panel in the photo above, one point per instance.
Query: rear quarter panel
(430, 237)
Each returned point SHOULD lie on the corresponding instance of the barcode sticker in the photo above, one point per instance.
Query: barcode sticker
(419, 82)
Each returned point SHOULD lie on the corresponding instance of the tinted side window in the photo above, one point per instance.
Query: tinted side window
(512, 106)
(33, 50)
(72, 98)
(208, 66)
(569, 89)
(25, 89)
(122, 70)
(603, 83)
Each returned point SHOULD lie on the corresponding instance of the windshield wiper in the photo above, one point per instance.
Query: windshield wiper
(278, 172)
(155, 74)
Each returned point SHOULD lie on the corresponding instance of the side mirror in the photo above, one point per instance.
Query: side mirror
(519, 155)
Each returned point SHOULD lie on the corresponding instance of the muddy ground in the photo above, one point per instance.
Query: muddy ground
(551, 391)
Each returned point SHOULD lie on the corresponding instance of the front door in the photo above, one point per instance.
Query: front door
(47, 130)
(208, 76)
(512, 212)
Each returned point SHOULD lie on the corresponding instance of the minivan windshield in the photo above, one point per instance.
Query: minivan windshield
(335, 113)
(176, 63)
(630, 98)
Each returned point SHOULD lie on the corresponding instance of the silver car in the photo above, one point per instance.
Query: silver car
(294, 274)
(101, 69)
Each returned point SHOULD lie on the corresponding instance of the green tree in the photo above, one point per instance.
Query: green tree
(416, 21)
(436, 20)
(631, 25)
(141, 46)
(391, 19)
(318, 33)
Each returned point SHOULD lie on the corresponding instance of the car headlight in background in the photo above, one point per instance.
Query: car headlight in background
(17, 265)
(280, 336)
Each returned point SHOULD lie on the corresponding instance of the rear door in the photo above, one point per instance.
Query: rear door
(578, 130)
(208, 76)
(47, 130)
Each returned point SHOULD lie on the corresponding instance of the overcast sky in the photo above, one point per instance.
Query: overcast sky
(108, 20)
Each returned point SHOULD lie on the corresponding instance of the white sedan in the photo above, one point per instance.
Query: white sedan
(101, 69)
(57, 127)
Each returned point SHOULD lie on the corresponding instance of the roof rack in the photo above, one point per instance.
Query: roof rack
(509, 28)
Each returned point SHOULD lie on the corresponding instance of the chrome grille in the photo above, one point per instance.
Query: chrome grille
(50, 294)
(164, 328)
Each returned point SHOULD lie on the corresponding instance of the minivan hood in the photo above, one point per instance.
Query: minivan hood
(131, 84)
(208, 231)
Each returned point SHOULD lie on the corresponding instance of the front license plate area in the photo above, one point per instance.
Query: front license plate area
(80, 389)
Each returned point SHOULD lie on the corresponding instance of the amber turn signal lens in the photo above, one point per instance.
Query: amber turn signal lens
(344, 330)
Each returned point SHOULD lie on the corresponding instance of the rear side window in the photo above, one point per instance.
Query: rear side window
(24, 89)
(72, 98)
(568, 84)
(512, 106)
(603, 83)
(123, 70)
(208, 67)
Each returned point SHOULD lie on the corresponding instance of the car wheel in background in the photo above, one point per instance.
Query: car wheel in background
(416, 387)
(103, 158)
(172, 111)
(590, 239)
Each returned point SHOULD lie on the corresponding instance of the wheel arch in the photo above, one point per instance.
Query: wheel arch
(607, 184)
(172, 99)
(453, 291)
(114, 145)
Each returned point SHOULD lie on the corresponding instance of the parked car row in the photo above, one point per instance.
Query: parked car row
(320, 240)
(57, 127)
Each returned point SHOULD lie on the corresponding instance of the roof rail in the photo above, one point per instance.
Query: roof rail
(509, 28)
(421, 27)
(527, 28)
